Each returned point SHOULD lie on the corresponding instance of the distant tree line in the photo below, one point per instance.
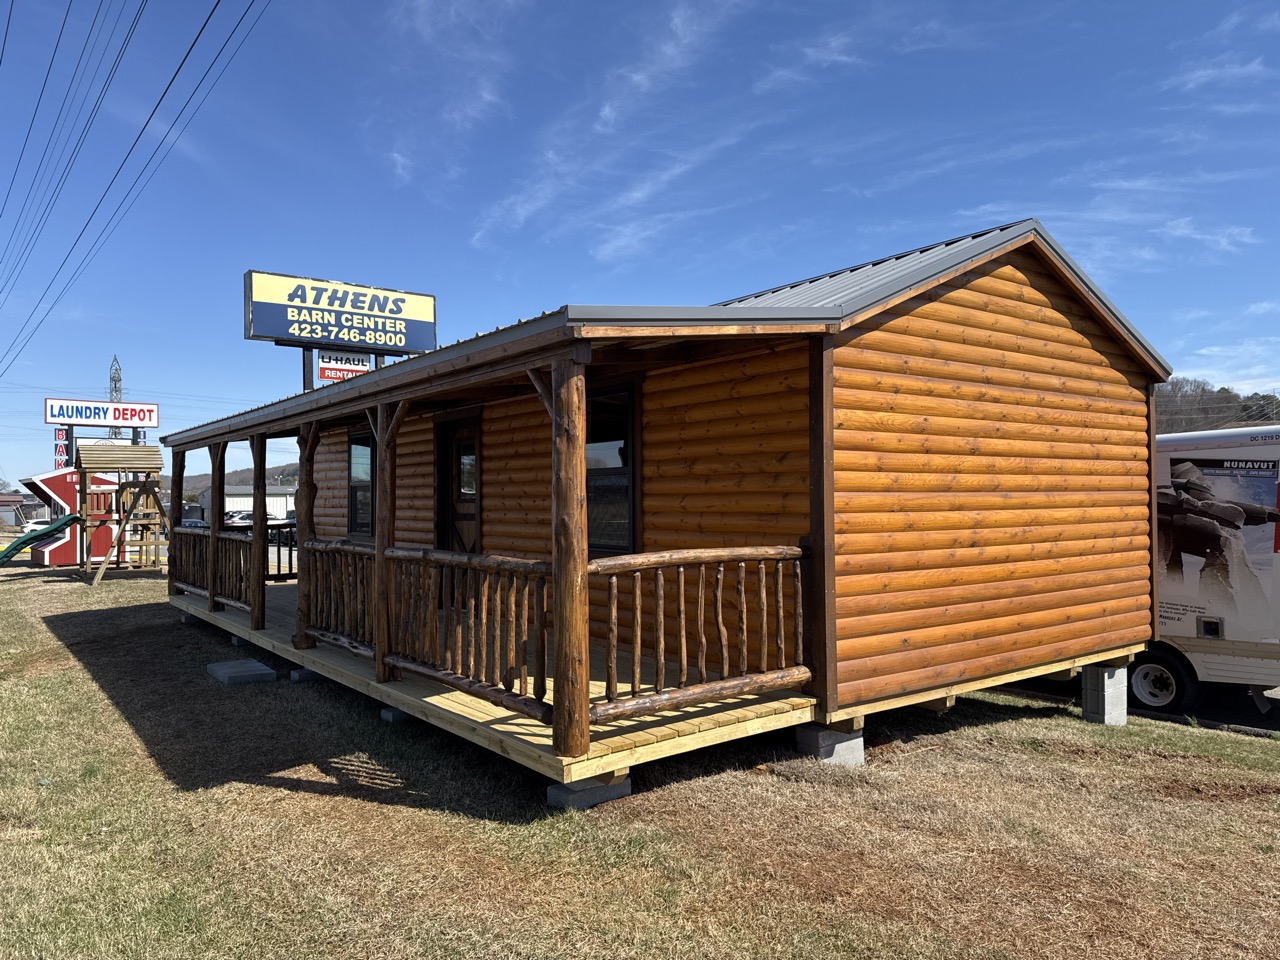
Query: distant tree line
(1185, 404)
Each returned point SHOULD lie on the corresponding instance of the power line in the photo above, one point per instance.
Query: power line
(5, 42)
(22, 153)
(20, 263)
(73, 87)
(186, 56)
(131, 195)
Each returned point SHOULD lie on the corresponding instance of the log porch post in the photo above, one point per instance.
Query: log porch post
(217, 491)
(571, 730)
(258, 546)
(384, 531)
(305, 529)
(175, 508)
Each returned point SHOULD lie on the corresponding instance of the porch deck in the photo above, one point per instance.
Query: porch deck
(615, 746)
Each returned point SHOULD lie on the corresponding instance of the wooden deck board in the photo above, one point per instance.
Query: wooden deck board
(614, 746)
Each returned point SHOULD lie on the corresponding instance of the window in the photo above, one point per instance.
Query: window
(465, 471)
(360, 485)
(610, 473)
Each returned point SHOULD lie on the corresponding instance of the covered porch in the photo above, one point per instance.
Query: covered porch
(615, 746)
(575, 664)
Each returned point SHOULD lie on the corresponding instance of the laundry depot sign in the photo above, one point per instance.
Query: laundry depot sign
(101, 413)
(298, 311)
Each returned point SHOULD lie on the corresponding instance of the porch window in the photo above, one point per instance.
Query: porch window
(360, 485)
(610, 473)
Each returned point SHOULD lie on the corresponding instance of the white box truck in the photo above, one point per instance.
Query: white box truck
(1218, 579)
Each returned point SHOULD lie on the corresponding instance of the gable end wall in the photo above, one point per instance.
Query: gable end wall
(990, 487)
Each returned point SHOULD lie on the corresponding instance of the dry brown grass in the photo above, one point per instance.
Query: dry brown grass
(146, 811)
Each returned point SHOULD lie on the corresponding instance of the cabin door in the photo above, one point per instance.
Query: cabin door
(458, 489)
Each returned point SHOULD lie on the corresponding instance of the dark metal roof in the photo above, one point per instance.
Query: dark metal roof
(857, 289)
(813, 306)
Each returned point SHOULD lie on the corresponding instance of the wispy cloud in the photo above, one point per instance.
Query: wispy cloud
(1245, 365)
(467, 37)
(1261, 308)
(401, 166)
(1227, 69)
(1177, 182)
(612, 181)
(936, 35)
(834, 48)
(1224, 239)
(950, 157)
(672, 52)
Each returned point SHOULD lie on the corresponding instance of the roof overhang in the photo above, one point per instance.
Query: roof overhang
(570, 331)
(509, 351)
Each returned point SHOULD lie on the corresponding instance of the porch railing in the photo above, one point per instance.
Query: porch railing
(189, 556)
(342, 600)
(189, 559)
(231, 557)
(742, 609)
(672, 629)
(476, 623)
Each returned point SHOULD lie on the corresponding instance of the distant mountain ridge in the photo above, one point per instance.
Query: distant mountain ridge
(194, 484)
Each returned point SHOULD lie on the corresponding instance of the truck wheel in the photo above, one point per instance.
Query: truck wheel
(1163, 681)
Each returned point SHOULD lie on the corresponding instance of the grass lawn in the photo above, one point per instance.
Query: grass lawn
(147, 811)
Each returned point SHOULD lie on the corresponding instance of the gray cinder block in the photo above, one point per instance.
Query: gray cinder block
(235, 672)
(585, 794)
(1105, 694)
(831, 746)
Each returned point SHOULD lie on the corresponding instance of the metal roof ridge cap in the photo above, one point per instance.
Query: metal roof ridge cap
(582, 312)
(976, 234)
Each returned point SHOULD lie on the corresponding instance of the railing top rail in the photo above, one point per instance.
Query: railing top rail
(340, 546)
(492, 563)
(191, 531)
(668, 558)
(233, 535)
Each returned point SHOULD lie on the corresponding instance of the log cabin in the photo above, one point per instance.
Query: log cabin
(611, 534)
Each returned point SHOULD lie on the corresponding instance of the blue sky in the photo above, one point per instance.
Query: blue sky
(510, 156)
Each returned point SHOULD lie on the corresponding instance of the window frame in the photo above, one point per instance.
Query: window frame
(631, 395)
(365, 438)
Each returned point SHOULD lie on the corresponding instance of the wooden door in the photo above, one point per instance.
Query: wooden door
(458, 490)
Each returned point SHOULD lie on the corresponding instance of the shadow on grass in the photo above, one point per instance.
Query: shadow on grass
(328, 740)
(318, 737)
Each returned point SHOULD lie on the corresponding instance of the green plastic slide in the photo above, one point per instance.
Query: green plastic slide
(36, 536)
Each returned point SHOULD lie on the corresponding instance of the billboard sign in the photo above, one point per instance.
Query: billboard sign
(101, 413)
(335, 365)
(301, 312)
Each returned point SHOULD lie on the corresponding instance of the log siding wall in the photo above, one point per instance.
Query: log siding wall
(725, 463)
(990, 485)
(331, 484)
(515, 479)
(416, 483)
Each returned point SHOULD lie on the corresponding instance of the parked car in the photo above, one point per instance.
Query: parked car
(194, 524)
(33, 525)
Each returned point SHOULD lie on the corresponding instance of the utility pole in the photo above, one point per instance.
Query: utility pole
(116, 394)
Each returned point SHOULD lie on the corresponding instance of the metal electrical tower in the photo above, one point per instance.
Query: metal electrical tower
(117, 394)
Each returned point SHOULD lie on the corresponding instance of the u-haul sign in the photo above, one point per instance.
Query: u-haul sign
(101, 413)
(335, 365)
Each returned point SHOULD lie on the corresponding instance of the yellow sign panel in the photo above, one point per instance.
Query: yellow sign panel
(309, 313)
